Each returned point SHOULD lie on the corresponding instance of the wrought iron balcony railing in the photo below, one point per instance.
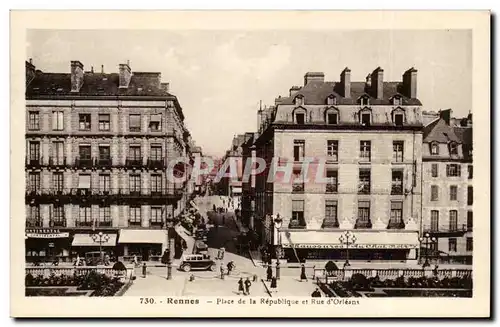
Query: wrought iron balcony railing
(446, 229)
(133, 162)
(34, 162)
(84, 162)
(57, 161)
(331, 188)
(297, 224)
(34, 222)
(298, 187)
(396, 189)
(363, 224)
(104, 162)
(330, 223)
(396, 224)
(156, 163)
(59, 222)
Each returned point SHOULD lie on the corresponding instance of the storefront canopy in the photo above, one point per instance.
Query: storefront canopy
(87, 240)
(363, 240)
(158, 236)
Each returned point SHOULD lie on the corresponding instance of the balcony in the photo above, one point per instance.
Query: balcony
(59, 222)
(133, 162)
(395, 224)
(57, 161)
(396, 189)
(84, 223)
(297, 224)
(298, 188)
(331, 188)
(156, 224)
(33, 191)
(105, 162)
(363, 224)
(84, 162)
(34, 163)
(106, 223)
(134, 223)
(156, 163)
(330, 223)
(34, 222)
(446, 231)
(364, 188)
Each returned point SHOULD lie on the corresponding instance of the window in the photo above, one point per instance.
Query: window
(398, 119)
(365, 150)
(331, 220)
(363, 220)
(470, 196)
(34, 182)
(104, 152)
(57, 217)
(156, 153)
(332, 118)
(134, 217)
(397, 151)
(57, 153)
(135, 183)
(397, 182)
(453, 149)
(469, 170)
(364, 181)
(331, 100)
(298, 181)
(396, 220)
(434, 193)
(299, 100)
(105, 216)
(34, 219)
(434, 170)
(134, 124)
(84, 120)
(332, 186)
(298, 150)
(469, 220)
(366, 119)
(34, 120)
(468, 244)
(156, 216)
(104, 183)
(297, 219)
(452, 245)
(85, 152)
(332, 150)
(300, 118)
(57, 120)
(453, 220)
(364, 101)
(453, 192)
(85, 216)
(104, 120)
(155, 123)
(453, 170)
(434, 220)
(134, 152)
(58, 182)
(84, 181)
(434, 148)
(156, 182)
(34, 148)
(397, 101)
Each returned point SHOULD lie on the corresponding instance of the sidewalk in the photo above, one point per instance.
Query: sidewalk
(154, 285)
(292, 286)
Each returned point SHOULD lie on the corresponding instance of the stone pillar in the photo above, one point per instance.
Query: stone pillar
(45, 215)
(144, 216)
(115, 216)
(68, 213)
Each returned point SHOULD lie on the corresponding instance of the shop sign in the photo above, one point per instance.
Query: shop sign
(46, 233)
(351, 246)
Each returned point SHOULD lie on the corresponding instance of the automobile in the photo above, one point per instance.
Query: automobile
(197, 262)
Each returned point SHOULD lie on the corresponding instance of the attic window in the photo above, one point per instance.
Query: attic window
(299, 100)
(434, 148)
(331, 116)
(364, 101)
(397, 101)
(453, 148)
(398, 119)
(300, 118)
(331, 100)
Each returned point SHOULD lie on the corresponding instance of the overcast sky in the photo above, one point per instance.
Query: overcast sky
(220, 77)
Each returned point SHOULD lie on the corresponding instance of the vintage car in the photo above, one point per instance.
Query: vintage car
(197, 262)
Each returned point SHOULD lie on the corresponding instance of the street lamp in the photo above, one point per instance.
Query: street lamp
(170, 234)
(277, 223)
(427, 240)
(100, 238)
(347, 239)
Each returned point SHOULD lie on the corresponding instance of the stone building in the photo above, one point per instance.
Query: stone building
(365, 138)
(448, 191)
(98, 147)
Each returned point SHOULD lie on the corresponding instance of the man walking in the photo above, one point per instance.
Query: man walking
(248, 283)
(303, 273)
(269, 273)
(240, 287)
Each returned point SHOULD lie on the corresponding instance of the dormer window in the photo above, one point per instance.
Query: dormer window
(397, 100)
(365, 117)
(300, 118)
(331, 100)
(364, 100)
(453, 149)
(398, 116)
(434, 148)
(299, 100)
(331, 116)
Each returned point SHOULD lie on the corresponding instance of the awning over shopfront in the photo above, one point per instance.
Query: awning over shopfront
(364, 240)
(148, 236)
(87, 240)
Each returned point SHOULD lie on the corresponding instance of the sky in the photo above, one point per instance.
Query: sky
(220, 77)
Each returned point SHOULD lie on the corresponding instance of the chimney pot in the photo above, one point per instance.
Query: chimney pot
(314, 76)
(125, 75)
(102, 69)
(410, 83)
(378, 82)
(91, 69)
(31, 61)
(76, 75)
(345, 80)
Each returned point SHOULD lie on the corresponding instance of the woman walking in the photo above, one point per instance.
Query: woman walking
(240, 287)
(303, 273)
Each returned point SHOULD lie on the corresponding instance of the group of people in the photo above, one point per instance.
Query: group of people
(244, 286)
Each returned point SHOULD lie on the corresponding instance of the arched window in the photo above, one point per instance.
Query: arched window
(397, 100)
(453, 148)
(331, 100)
(299, 116)
(364, 100)
(434, 148)
(398, 116)
(299, 100)
(365, 117)
(331, 116)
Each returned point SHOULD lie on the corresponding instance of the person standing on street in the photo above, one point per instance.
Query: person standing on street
(269, 273)
(303, 273)
(222, 270)
(316, 293)
(240, 287)
(144, 268)
(248, 283)
(274, 285)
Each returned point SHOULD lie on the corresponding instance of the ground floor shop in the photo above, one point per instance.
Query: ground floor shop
(43, 245)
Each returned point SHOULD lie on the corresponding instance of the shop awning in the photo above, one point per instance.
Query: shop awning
(158, 236)
(364, 240)
(87, 240)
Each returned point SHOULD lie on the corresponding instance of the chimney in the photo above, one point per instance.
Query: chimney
(369, 80)
(314, 76)
(410, 83)
(294, 90)
(30, 71)
(278, 100)
(345, 80)
(102, 69)
(125, 75)
(76, 75)
(165, 86)
(378, 83)
(446, 115)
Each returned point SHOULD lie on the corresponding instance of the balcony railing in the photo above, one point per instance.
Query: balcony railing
(363, 224)
(60, 222)
(34, 222)
(105, 223)
(57, 161)
(151, 192)
(84, 162)
(84, 223)
(133, 162)
(156, 163)
(33, 191)
(396, 189)
(331, 188)
(34, 162)
(104, 162)
(330, 223)
(364, 188)
(396, 224)
(298, 188)
(297, 224)
(446, 229)
(134, 223)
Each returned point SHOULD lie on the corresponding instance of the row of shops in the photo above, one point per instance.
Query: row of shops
(44, 244)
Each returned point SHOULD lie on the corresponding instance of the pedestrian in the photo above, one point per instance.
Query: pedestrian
(316, 293)
(223, 219)
(222, 252)
(240, 287)
(248, 283)
(144, 268)
(229, 267)
(213, 207)
(136, 263)
(269, 273)
(221, 270)
(274, 284)
(303, 273)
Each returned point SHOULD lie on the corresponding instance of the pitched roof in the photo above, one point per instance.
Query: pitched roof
(464, 134)
(441, 132)
(316, 92)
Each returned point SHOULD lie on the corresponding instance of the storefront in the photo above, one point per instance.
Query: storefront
(365, 246)
(84, 243)
(47, 245)
(146, 244)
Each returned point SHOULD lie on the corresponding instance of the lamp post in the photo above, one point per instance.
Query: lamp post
(170, 232)
(347, 239)
(277, 223)
(427, 240)
(100, 238)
